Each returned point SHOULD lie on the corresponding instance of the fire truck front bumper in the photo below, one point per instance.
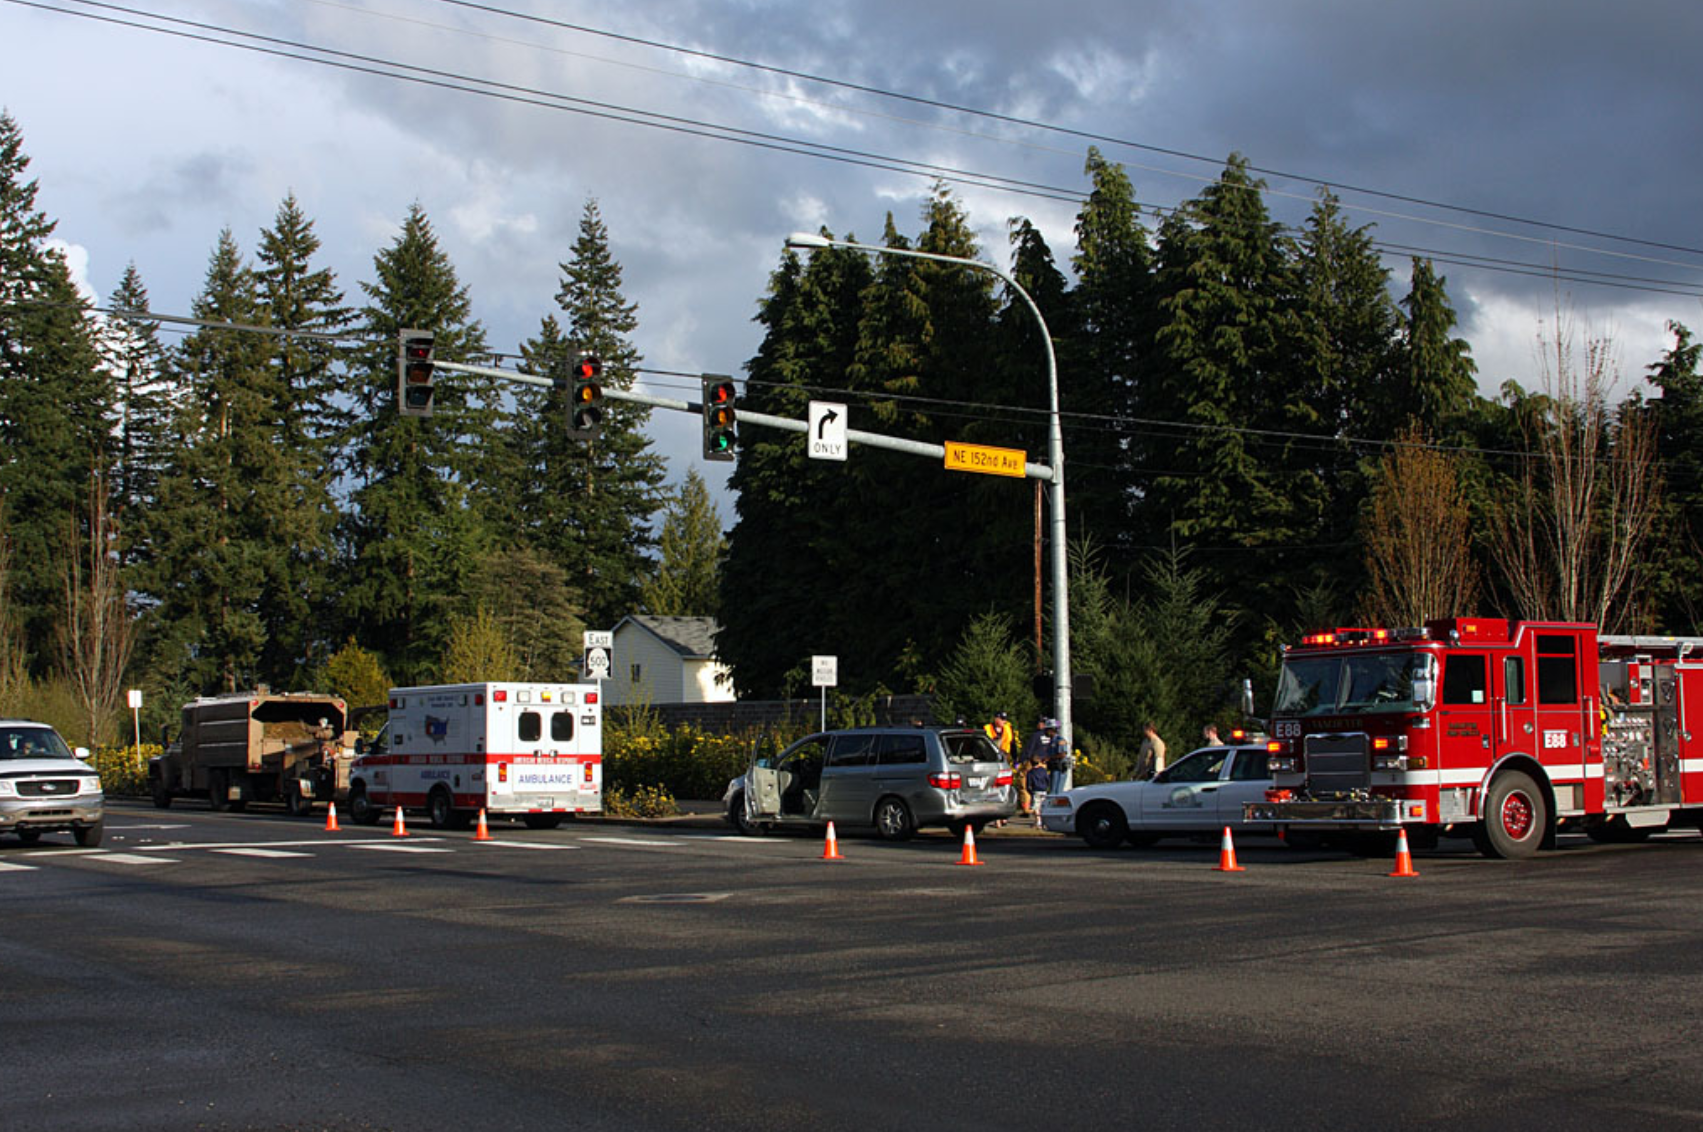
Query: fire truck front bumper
(1358, 813)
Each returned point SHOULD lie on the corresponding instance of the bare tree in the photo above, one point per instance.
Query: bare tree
(1418, 538)
(1570, 532)
(97, 633)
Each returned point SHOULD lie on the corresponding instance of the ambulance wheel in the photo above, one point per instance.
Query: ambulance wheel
(1515, 817)
(440, 808)
(1103, 825)
(543, 821)
(361, 808)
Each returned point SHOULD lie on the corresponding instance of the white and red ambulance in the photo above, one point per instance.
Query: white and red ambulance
(534, 751)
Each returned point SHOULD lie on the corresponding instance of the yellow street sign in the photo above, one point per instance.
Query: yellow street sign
(988, 461)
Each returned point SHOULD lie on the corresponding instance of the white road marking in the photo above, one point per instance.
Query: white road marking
(256, 852)
(184, 846)
(127, 826)
(632, 841)
(740, 838)
(8, 867)
(522, 844)
(133, 859)
(382, 847)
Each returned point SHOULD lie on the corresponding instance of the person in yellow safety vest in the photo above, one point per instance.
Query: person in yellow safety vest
(1004, 736)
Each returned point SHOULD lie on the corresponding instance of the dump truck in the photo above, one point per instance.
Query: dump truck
(292, 747)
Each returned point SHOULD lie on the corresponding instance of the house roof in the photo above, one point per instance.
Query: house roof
(692, 637)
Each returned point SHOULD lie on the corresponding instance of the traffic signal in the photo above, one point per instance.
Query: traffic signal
(721, 435)
(586, 411)
(414, 373)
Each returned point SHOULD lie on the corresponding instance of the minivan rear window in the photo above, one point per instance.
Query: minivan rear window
(900, 750)
(970, 747)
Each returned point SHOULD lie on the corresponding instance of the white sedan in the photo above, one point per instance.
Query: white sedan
(1200, 793)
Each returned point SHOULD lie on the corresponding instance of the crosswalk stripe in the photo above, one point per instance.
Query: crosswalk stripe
(379, 848)
(132, 859)
(8, 867)
(262, 852)
(630, 841)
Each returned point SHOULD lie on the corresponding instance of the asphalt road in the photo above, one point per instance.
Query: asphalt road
(253, 972)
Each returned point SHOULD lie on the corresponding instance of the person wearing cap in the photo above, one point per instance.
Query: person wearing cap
(1046, 749)
(1004, 735)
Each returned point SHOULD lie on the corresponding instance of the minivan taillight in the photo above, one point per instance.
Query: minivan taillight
(947, 780)
(1003, 778)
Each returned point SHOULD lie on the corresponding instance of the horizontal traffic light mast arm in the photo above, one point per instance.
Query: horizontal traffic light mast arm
(1031, 470)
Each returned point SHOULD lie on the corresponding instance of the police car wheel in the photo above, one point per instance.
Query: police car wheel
(1102, 826)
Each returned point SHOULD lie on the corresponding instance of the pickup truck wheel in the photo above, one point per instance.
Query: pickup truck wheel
(1102, 825)
(300, 805)
(29, 836)
(1515, 817)
(89, 836)
(361, 808)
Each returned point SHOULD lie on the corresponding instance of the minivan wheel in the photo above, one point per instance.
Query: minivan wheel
(893, 821)
(741, 820)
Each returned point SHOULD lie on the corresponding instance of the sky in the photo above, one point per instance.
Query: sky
(1565, 137)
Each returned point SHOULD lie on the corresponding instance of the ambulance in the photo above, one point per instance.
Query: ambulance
(533, 751)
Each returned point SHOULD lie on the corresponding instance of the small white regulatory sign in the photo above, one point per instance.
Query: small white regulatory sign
(597, 664)
(827, 435)
(825, 671)
(599, 639)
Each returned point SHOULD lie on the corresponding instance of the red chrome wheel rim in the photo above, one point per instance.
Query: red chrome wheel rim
(1517, 815)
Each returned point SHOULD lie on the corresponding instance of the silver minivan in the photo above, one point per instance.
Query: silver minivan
(895, 779)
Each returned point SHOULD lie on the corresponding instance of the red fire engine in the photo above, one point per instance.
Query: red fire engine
(1501, 731)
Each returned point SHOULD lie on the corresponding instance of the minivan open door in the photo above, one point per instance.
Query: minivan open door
(762, 786)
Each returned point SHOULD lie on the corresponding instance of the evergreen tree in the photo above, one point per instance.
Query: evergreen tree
(146, 407)
(1104, 372)
(1435, 383)
(590, 510)
(295, 296)
(55, 403)
(791, 509)
(219, 544)
(1677, 564)
(540, 614)
(691, 547)
(1231, 342)
(409, 538)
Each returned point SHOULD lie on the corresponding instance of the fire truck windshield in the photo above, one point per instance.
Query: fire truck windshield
(1356, 682)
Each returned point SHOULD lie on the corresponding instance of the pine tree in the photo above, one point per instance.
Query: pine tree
(692, 546)
(1103, 374)
(1435, 382)
(1677, 563)
(409, 539)
(144, 390)
(790, 508)
(219, 543)
(590, 510)
(56, 402)
(295, 296)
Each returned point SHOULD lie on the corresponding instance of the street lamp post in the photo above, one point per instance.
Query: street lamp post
(809, 241)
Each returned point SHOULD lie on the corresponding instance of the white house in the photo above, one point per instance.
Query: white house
(666, 660)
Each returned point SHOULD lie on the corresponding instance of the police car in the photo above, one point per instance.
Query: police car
(1200, 793)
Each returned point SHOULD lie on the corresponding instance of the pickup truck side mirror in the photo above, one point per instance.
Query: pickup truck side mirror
(83, 753)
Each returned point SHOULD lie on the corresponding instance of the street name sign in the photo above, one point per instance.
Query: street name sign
(987, 461)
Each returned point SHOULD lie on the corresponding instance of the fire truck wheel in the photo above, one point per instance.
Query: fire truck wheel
(361, 808)
(1515, 817)
(1102, 825)
(543, 821)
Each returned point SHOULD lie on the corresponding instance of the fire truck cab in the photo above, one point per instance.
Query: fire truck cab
(534, 751)
(1503, 731)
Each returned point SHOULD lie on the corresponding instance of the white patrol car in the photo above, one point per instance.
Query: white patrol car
(1200, 793)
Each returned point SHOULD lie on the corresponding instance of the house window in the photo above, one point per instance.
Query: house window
(636, 673)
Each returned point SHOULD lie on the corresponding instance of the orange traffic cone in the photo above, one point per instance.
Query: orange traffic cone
(1227, 855)
(968, 856)
(331, 825)
(399, 829)
(1404, 859)
(482, 832)
(831, 847)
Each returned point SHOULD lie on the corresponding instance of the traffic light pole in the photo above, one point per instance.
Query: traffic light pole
(746, 416)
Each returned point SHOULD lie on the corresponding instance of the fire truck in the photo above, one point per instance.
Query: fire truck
(1506, 732)
(534, 751)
